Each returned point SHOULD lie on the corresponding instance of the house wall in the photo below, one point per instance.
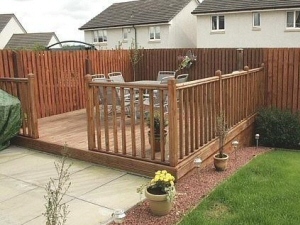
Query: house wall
(239, 32)
(11, 28)
(54, 40)
(179, 33)
(182, 32)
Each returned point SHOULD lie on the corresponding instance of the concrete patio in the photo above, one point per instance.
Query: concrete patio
(95, 191)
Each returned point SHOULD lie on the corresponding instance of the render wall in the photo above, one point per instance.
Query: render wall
(11, 28)
(239, 32)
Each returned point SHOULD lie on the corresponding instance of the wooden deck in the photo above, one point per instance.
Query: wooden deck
(71, 129)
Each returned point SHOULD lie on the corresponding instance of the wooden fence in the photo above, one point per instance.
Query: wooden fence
(192, 111)
(283, 72)
(60, 74)
(24, 90)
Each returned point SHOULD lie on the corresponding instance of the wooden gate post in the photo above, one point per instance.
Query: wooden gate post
(90, 112)
(173, 121)
(33, 126)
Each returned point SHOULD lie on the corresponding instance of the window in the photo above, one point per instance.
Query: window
(293, 19)
(218, 23)
(125, 34)
(154, 33)
(100, 36)
(256, 19)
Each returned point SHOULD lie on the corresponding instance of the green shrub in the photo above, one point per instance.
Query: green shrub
(278, 128)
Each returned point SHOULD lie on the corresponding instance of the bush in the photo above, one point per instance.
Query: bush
(278, 128)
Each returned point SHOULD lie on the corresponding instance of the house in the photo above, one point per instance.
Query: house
(150, 24)
(9, 25)
(32, 40)
(248, 23)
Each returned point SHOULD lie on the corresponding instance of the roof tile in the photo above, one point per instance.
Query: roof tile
(136, 13)
(217, 6)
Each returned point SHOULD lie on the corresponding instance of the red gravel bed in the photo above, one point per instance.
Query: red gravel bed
(191, 189)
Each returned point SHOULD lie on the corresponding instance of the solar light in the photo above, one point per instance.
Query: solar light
(118, 216)
(235, 145)
(256, 138)
(197, 162)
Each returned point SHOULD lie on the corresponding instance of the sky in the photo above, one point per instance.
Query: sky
(63, 17)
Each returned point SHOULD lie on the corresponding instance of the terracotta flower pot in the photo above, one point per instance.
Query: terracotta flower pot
(159, 204)
(157, 140)
(220, 163)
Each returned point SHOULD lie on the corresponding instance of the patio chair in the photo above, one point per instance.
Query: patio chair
(157, 96)
(162, 74)
(98, 75)
(182, 78)
(116, 77)
(107, 98)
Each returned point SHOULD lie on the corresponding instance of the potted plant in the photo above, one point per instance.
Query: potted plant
(160, 192)
(221, 158)
(186, 61)
(157, 120)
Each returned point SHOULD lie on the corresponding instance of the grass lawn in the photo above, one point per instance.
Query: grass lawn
(266, 191)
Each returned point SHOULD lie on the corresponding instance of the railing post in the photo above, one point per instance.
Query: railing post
(89, 96)
(246, 68)
(33, 113)
(265, 85)
(173, 121)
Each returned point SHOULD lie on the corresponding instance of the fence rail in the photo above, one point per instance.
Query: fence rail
(24, 90)
(192, 111)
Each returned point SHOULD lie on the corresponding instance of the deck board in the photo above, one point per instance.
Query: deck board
(71, 129)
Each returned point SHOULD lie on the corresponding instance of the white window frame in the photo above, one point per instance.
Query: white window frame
(100, 36)
(256, 20)
(154, 33)
(125, 32)
(217, 28)
(294, 23)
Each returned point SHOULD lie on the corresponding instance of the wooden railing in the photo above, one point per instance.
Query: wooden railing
(24, 90)
(192, 110)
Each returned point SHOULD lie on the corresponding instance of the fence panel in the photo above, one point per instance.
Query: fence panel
(23, 89)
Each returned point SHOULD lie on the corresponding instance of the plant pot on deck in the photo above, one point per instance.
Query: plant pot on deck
(220, 163)
(157, 140)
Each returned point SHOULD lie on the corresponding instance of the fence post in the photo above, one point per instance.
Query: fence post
(265, 85)
(90, 112)
(246, 68)
(33, 114)
(219, 74)
(240, 59)
(173, 121)
(88, 66)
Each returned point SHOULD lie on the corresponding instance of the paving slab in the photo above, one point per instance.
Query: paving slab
(13, 153)
(10, 188)
(95, 191)
(92, 177)
(120, 193)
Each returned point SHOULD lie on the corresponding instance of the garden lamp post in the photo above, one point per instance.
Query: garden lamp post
(256, 139)
(197, 163)
(235, 145)
(119, 216)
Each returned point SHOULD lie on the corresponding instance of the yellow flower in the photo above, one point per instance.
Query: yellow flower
(156, 178)
(164, 172)
(172, 183)
(158, 172)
